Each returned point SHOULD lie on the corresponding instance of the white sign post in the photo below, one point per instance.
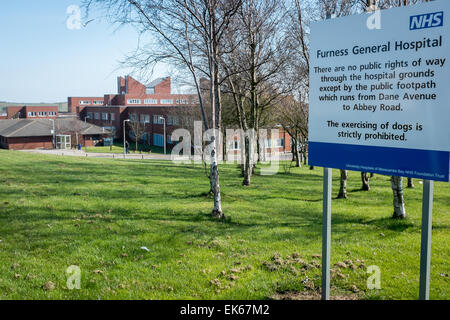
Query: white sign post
(380, 103)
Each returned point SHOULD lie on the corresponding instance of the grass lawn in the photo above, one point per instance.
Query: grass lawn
(97, 214)
(118, 148)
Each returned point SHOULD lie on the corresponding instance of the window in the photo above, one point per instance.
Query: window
(133, 117)
(145, 118)
(279, 143)
(63, 142)
(32, 114)
(97, 116)
(89, 115)
(166, 101)
(157, 119)
(169, 139)
(182, 101)
(113, 116)
(274, 143)
(235, 145)
(151, 101)
(42, 113)
(52, 113)
(172, 120)
(104, 116)
(158, 140)
(98, 101)
(84, 102)
(134, 101)
(150, 90)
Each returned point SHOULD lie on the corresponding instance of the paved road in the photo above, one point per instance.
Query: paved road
(81, 153)
(146, 156)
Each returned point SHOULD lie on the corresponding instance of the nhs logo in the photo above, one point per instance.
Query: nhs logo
(427, 20)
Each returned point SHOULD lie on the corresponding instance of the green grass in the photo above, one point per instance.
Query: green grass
(97, 213)
(118, 148)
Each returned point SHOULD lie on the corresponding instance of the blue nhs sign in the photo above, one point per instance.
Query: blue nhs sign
(427, 20)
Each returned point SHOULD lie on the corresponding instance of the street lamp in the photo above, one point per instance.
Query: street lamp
(124, 149)
(164, 121)
(53, 132)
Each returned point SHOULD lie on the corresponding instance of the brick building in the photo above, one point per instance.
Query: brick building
(138, 102)
(31, 112)
(20, 134)
(149, 104)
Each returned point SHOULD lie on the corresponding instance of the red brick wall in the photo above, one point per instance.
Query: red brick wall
(135, 87)
(12, 111)
(117, 122)
(74, 103)
(47, 109)
(121, 85)
(30, 143)
(163, 87)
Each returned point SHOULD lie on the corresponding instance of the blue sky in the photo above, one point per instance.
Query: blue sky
(41, 60)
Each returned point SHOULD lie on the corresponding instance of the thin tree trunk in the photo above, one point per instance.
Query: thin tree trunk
(343, 188)
(410, 183)
(215, 114)
(399, 203)
(248, 163)
(298, 162)
(296, 153)
(365, 181)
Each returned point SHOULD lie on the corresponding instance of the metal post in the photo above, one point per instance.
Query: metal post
(425, 249)
(326, 226)
(165, 142)
(124, 138)
(326, 233)
(164, 121)
(53, 133)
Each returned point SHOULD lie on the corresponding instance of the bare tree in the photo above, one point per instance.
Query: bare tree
(188, 34)
(138, 131)
(252, 68)
(293, 117)
(75, 128)
(111, 134)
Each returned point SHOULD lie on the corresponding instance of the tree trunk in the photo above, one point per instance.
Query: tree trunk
(410, 183)
(215, 186)
(365, 181)
(243, 157)
(296, 154)
(343, 188)
(248, 162)
(399, 203)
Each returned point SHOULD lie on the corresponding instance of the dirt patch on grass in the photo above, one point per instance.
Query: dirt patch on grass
(311, 295)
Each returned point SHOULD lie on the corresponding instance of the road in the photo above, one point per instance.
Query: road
(137, 156)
